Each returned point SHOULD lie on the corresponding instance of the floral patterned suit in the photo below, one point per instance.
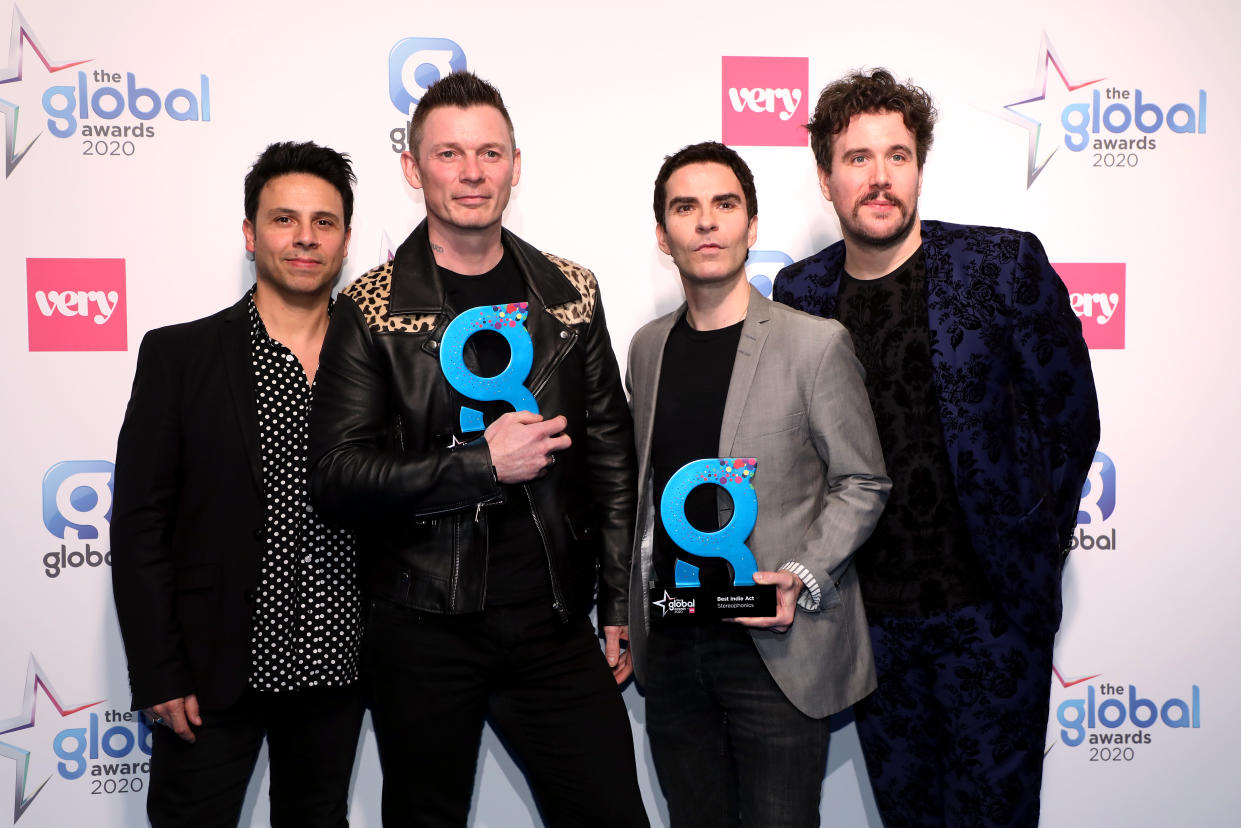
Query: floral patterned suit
(954, 734)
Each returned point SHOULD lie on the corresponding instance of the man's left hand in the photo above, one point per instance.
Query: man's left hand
(788, 588)
(619, 659)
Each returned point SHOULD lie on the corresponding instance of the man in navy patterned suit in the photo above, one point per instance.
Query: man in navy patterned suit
(982, 390)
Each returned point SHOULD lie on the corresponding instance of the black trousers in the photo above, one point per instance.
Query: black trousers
(543, 684)
(312, 736)
(730, 749)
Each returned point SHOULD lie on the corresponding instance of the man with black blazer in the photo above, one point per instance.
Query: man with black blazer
(239, 609)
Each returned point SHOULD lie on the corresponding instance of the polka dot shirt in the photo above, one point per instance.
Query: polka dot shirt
(308, 608)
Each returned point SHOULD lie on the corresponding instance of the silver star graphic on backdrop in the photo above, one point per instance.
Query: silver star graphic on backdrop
(21, 32)
(35, 678)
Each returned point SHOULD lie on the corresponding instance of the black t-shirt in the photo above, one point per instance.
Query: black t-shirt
(919, 560)
(689, 411)
(517, 568)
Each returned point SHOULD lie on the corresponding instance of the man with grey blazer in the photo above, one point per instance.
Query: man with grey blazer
(737, 712)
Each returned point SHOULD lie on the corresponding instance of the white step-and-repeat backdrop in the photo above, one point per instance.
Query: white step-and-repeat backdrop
(1110, 130)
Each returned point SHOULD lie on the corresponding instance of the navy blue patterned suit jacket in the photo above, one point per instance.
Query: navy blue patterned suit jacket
(1016, 397)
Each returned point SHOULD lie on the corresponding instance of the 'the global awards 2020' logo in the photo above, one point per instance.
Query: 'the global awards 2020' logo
(413, 65)
(1117, 721)
(764, 101)
(106, 749)
(77, 510)
(1098, 503)
(76, 304)
(669, 605)
(761, 267)
(87, 102)
(1118, 123)
(1097, 293)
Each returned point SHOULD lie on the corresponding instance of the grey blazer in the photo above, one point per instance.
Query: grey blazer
(796, 402)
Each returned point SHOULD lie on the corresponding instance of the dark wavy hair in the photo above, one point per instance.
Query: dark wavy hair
(288, 157)
(860, 92)
(707, 152)
(460, 89)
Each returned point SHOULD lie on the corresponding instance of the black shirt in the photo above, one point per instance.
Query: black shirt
(919, 560)
(517, 567)
(689, 411)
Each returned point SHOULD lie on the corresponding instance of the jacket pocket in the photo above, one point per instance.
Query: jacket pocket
(765, 426)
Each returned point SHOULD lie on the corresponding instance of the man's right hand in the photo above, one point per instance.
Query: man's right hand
(522, 445)
(177, 714)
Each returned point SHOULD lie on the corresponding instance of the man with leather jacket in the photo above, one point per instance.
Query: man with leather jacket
(485, 518)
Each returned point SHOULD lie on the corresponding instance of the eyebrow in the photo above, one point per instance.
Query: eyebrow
(456, 145)
(866, 150)
(273, 211)
(676, 201)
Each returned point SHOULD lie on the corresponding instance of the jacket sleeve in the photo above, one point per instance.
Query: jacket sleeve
(1055, 371)
(612, 467)
(146, 492)
(359, 468)
(842, 430)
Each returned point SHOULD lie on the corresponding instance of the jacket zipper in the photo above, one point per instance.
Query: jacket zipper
(456, 563)
(558, 603)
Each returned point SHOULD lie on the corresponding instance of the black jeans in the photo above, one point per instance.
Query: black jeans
(543, 684)
(312, 736)
(729, 748)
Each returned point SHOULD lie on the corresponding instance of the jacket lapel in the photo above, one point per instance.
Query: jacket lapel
(235, 348)
(647, 364)
(753, 336)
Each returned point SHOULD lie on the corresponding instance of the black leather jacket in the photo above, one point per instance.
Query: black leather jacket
(381, 431)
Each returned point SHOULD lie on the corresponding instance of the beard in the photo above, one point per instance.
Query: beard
(852, 229)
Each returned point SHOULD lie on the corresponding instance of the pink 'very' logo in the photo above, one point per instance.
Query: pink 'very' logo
(1097, 293)
(764, 101)
(76, 304)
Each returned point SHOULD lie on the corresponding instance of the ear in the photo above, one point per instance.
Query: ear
(516, 166)
(824, 186)
(348, 236)
(661, 238)
(409, 166)
(247, 230)
(919, 181)
(752, 235)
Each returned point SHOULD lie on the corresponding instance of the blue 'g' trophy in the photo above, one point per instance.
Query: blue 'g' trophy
(689, 600)
(508, 321)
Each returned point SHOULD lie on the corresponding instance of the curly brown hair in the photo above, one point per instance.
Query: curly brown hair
(860, 92)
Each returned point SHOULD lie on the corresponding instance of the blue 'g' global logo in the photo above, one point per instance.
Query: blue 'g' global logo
(77, 499)
(761, 267)
(1099, 493)
(417, 62)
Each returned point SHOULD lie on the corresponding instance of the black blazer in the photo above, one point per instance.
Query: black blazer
(187, 517)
